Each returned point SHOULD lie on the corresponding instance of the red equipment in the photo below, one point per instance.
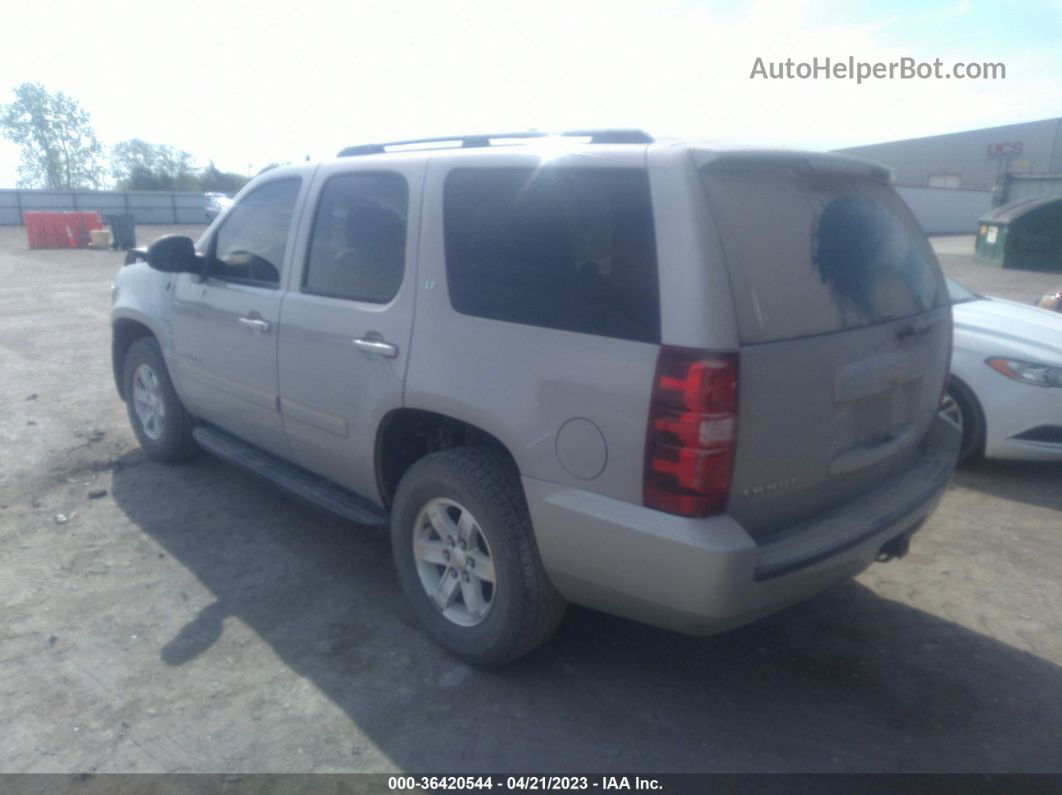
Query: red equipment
(60, 229)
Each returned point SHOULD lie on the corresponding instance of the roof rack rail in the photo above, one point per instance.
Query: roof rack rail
(481, 140)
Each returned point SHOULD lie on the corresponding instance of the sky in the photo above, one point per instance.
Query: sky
(249, 83)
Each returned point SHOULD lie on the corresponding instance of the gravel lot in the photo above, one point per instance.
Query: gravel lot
(191, 619)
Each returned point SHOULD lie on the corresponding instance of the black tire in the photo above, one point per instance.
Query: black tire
(173, 441)
(972, 446)
(525, 607)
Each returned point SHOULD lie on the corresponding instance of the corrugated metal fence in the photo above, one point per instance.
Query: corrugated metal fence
(147, 207)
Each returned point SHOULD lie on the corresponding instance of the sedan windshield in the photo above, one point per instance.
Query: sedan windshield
(959, 294)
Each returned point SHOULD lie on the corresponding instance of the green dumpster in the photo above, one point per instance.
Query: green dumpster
(1025, 234)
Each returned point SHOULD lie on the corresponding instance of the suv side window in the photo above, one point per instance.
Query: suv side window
(358, 248)
(249, 246)
(564, 248)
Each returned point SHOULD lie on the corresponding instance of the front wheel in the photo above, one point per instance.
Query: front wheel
(467, 559)
(962, 407)
(159, 420)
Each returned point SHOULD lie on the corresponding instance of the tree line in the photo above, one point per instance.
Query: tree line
(60, 151)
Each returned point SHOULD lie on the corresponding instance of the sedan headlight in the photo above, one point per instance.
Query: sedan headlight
(1026, 372)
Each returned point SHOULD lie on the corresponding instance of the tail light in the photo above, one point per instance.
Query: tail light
(689, 446)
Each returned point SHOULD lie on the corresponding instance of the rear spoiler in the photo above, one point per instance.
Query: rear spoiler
(808, 165)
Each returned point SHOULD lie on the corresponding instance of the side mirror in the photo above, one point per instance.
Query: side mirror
(173, 254)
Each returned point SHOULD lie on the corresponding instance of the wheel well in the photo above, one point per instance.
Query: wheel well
(958, 385)
(407, 435)
(125, 333)
(967, 394)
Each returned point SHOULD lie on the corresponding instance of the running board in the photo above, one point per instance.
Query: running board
(291, 478)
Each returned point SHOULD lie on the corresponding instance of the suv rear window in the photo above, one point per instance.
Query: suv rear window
(563, 248)
(818, 253)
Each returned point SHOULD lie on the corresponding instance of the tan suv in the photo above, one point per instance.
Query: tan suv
(682, 385)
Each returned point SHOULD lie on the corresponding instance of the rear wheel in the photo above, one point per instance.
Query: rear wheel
(466, 556)
(962, 407)
(161, 425)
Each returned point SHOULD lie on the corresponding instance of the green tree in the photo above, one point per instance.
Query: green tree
(213, 179)
(139, 165)
(59, 145)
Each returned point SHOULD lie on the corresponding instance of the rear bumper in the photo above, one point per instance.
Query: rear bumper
(707, 575)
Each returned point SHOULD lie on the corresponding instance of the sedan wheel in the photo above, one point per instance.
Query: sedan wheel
(961, 409)
(950, 409)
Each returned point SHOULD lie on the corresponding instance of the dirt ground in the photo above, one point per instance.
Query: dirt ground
(190, 618)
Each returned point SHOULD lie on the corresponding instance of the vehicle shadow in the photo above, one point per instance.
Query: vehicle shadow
(1032, 482)
(848, 681)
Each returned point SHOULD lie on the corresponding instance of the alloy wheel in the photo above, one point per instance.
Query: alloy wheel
(454, 562)
(147, 401)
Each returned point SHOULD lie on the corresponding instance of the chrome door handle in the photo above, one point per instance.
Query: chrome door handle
(378, 347)
(255, 324)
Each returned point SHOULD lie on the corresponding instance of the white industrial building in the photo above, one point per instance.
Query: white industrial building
(952, 180)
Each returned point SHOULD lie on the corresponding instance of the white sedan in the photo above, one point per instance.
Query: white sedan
(1006, 377)
(217, 203)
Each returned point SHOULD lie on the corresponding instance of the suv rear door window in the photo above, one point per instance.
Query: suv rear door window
(249, 246)
(819, 252)
(358, 249)
(563, 248)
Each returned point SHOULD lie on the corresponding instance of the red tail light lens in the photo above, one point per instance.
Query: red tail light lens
(689, 449)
